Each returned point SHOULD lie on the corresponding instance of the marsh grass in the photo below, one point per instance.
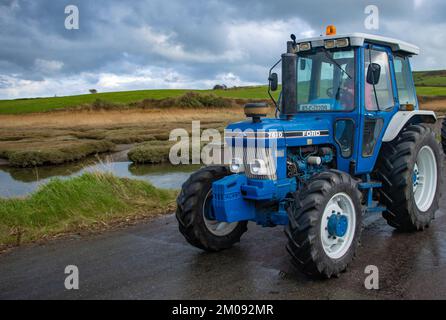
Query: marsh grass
(86, 202)
(54, 138)
(154, 152)
(30, 153)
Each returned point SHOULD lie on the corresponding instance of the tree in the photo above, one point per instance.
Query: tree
(220, 87)
(93, 91)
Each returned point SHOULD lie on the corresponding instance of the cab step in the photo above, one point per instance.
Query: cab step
(370, 184)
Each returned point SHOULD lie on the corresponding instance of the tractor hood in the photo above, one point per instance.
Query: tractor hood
(299, 131)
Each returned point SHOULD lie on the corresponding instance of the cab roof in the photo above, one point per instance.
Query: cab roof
(358, 39)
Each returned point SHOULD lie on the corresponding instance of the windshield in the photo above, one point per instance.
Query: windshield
(326, 81)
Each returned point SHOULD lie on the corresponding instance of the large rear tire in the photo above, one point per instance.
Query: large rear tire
(410, 169)
(194, 213)
(325, 224)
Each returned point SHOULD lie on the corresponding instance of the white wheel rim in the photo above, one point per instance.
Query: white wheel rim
(337, 247)
(424, 179)
(217, 228)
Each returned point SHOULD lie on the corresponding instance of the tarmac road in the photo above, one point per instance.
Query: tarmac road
(153, 261)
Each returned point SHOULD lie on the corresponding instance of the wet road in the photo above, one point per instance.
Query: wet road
(152, 261)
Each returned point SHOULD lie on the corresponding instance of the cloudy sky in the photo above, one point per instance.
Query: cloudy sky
(145, 44)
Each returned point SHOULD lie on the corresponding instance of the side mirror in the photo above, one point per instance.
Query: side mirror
(273, 81)
(373, 73)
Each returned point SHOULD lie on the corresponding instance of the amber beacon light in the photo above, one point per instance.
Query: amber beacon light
(331, 30)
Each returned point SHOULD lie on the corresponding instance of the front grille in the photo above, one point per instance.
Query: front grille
(248, 154)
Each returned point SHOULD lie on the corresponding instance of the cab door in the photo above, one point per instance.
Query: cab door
(379, 104)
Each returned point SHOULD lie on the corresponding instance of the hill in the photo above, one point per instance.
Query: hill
(430, 85)
(19, 106)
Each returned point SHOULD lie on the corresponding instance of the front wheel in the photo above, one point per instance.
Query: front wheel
(325, 224)
(195, 214)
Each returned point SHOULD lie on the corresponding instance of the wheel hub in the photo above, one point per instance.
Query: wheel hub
(337, 225)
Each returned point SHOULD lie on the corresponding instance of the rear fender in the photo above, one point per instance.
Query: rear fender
(402, 119)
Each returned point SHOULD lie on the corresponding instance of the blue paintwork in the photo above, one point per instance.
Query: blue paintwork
(237, 198)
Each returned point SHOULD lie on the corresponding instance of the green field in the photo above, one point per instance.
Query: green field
(430, 78)
(431, 91)
(428, 83)
(47, 104)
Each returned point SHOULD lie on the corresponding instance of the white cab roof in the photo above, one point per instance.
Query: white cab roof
(358, 39)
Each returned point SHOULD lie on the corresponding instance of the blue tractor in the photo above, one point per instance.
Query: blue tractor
(348, 139)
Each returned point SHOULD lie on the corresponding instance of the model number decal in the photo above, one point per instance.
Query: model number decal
(275, 134)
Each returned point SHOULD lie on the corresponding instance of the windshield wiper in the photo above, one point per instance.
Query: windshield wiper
(335, 62)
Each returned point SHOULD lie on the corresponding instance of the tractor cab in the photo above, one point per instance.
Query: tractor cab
(358, 82)
(348, 138)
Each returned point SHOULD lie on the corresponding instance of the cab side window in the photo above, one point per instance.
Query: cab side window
(406, 92)
(384, 95)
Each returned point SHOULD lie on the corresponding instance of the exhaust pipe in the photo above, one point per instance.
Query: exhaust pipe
(289, 84)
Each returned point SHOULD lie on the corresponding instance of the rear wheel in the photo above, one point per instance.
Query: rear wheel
(410, 169)
(196, 217)
(325, 224)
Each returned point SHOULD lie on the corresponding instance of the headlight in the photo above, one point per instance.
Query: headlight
(342, 43)
(338, 43)
(258, 167)
(305, 46)
(236, 166)
(330, 44)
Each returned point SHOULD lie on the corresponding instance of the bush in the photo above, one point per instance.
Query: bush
(100, 104)
(196, 100)
(188, 100)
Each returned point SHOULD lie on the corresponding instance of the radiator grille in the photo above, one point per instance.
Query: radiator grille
(248, 154)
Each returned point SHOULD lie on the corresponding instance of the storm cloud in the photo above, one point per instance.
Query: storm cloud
(126, 45)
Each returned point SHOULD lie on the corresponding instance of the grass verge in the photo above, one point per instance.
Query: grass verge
(87, 202)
